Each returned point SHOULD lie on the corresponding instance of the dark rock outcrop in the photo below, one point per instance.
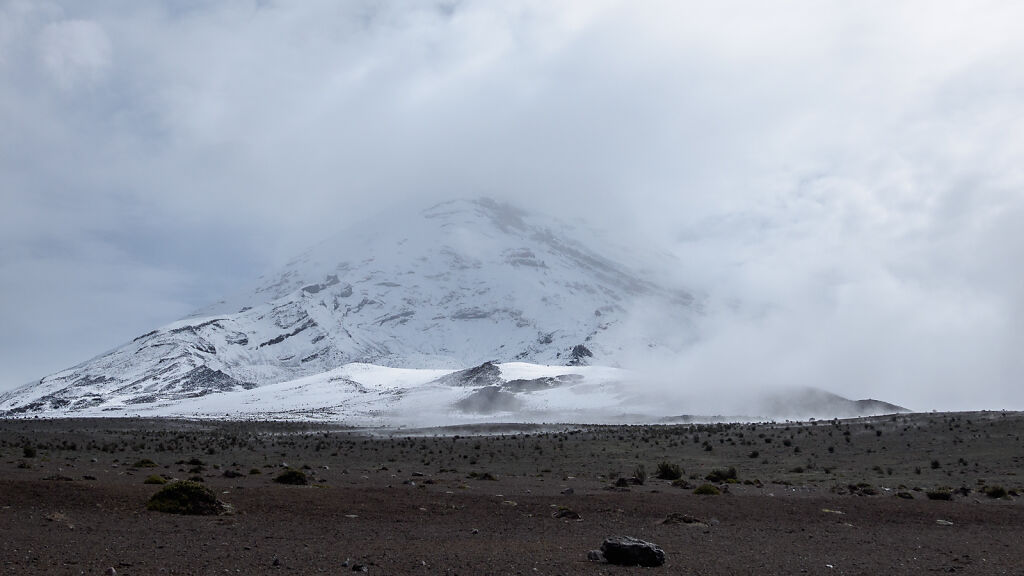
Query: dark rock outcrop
(579, 355)
(543, 383)
(486, 374)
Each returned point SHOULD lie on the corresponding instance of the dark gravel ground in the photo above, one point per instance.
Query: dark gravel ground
(73, 501)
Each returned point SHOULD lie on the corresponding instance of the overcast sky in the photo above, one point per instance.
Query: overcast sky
(851, 172)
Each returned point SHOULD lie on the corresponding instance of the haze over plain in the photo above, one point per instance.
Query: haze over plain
(843, 182)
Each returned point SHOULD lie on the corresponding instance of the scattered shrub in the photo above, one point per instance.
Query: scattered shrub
(29, 451)
(154, 479)
(564, 512)
(669, 471)
(707, 490)
(862, 489)
(185, 498)
(293, 477)
(145, 463)
(939, 494)
(995, 491)
(721, 475)
(639, 474)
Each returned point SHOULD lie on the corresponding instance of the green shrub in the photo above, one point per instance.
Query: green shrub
(707, 490)
(292, 476)
(639, 474)
(669, 471)
(721, 475)
(939, 494)
(154, 479)
(995, 491)
(145, 463)
(185, 497)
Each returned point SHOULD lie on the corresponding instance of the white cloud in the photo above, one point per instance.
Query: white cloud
(846, 170)
(75, 52)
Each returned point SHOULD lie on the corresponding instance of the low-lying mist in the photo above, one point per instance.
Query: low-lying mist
(877, 335)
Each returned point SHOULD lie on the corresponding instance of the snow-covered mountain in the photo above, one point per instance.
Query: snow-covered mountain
(451, 286)
(468, 311)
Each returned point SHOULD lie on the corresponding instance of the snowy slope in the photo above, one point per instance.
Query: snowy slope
(376, 396)
(449, 287)
(368, 395)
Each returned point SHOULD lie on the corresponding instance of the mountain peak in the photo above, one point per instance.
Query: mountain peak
(453, 285)
(500, 214)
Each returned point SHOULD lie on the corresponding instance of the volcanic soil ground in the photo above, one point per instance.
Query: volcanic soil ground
(826, 497)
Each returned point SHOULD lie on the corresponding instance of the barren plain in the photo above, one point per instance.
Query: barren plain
(905, 494)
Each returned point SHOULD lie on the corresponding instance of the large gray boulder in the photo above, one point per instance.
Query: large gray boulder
(629, 551)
